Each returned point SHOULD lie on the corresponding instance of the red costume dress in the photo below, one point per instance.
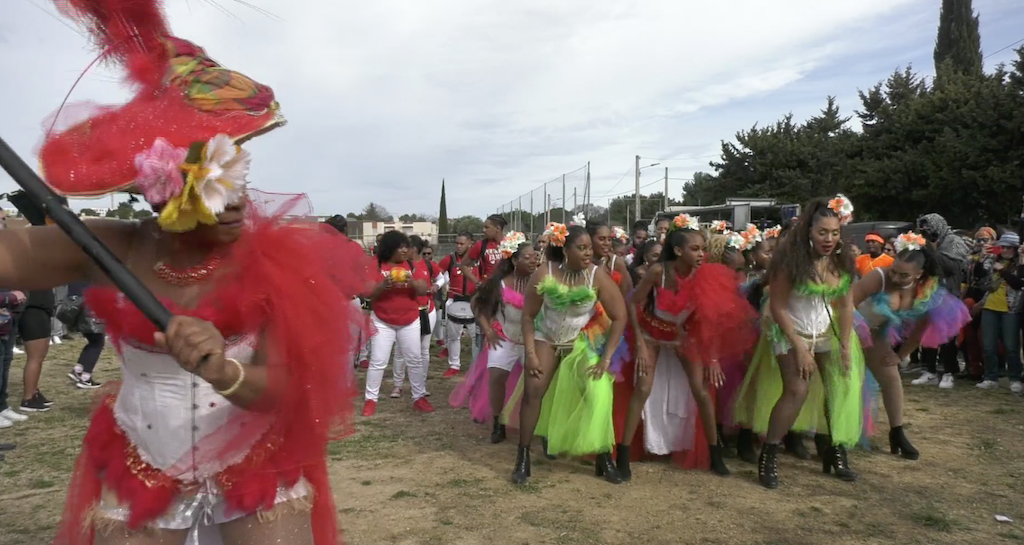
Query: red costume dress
(164, 449)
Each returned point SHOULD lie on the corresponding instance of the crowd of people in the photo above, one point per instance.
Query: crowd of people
(687, 340)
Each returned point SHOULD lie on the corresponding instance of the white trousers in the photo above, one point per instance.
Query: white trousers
(453, 339)
(398, 368)
(406, 340)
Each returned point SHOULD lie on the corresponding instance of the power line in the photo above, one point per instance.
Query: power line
(1003, 49)
(680, 159)
(624, 174)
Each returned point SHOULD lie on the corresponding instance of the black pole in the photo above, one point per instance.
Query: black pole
(93, 247)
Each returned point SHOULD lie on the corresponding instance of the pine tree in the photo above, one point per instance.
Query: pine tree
(958, 44)
(442, 215)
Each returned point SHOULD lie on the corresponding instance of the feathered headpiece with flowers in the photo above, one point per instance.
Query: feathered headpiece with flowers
(510, 244)
(620, 233)
(176, 141)
(556, 233)
(684, 221)
(719, 226)
(909, 241)
(751, 236)
(842, 207)
(773, 232)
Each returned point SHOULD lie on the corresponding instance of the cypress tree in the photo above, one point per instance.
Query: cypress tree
(442, 215)
(958, 44)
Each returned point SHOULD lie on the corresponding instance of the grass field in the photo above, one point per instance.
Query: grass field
(407, 478)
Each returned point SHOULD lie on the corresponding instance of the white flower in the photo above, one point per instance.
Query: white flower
(226, 168)
(579, 219)
(719, 226)
(735, 240)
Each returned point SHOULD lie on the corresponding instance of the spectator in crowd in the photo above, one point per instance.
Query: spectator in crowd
(639, 237)
(9, 301)
(35, 326)
(1000, 314)
(952, 254)
(458, 314)
(95, 339)
(874, 256)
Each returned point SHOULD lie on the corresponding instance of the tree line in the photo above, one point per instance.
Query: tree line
(923, 145)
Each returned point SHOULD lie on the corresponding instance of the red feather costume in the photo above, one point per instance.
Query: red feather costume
(165, 435)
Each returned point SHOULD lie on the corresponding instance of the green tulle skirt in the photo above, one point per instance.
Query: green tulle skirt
(576, 413)
(839, 392)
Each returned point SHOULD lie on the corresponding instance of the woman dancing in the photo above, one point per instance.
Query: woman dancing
(905, 305)
(691, 317)
(809, 328)
(648, 254)
(498, 307)
(221, 422)
(573, 318)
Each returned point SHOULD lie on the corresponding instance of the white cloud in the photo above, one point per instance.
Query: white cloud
(385, 98)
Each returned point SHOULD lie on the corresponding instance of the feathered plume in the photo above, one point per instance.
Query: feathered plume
(128, 32)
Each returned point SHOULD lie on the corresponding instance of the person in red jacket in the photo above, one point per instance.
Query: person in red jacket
(423, 270)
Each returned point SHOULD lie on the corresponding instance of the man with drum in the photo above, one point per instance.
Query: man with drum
(457, 309)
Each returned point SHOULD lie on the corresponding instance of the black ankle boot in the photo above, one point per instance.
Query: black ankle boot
(717, 461)
(544, 445)
(521, 472)
(794, 444)
(603, 467)
(768, 466)
(622, 462)
(899, 444)
(745, 446)
(835, 460)
(497, 432)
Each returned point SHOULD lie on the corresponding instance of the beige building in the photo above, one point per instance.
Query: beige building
(366, 232)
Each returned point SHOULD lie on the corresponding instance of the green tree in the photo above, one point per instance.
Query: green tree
(442, 215)
(89, 212)
(124, 211)
(142, 214)
(471, 224)
(958, 43)
(375, 212)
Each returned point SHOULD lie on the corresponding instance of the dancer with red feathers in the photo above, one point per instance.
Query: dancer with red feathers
(218, 431)
(690, 317)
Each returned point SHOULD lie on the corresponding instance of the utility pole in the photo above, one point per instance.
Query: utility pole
(666, 190)
(637, 195)
(563, 200)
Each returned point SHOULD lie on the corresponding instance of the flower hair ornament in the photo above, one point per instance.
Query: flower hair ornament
(579, 219)
(842, 207)
(909, 241)
(684, 221)
(751, 236)
(556, 233)
(511, 243)
(620, 233)
(719, 227)
(735, 240)
(773, 232)
(192, 186)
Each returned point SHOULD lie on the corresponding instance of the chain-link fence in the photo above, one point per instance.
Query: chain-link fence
(557, 200)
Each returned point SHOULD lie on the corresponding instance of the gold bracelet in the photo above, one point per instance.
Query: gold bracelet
(238, 382)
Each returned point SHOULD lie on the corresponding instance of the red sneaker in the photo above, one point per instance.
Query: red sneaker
(423, 406)
(451, 373)
(443, 354)
(370, 407)
(365, 364)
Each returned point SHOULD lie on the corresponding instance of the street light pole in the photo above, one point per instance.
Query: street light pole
(636, 209)
(666, 189)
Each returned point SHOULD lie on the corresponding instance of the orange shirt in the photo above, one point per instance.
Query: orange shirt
(866, 264)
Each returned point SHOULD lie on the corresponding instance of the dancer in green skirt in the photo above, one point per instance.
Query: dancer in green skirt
(573, 319)
(808, 335)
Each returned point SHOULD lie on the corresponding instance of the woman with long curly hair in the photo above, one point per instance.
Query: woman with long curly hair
(808, 333)
(905, 305)
(498, 307)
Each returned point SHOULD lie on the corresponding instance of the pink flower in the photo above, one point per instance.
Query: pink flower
(160, 178)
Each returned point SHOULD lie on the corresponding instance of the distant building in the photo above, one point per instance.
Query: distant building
(365, 232)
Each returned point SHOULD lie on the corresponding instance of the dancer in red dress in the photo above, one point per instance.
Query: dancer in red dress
(218, 431)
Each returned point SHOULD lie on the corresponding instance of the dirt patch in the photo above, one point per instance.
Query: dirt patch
(407, 478)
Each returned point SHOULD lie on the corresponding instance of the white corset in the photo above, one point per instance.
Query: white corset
(511, 319)
(809, 313)
(155, 410)
(561, 327)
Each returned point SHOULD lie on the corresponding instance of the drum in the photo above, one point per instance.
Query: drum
(461, 313)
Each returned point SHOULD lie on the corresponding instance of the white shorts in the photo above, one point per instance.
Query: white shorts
(505, 356)
(817, 344)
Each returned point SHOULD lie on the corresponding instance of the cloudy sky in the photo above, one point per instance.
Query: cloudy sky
(386, 98)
